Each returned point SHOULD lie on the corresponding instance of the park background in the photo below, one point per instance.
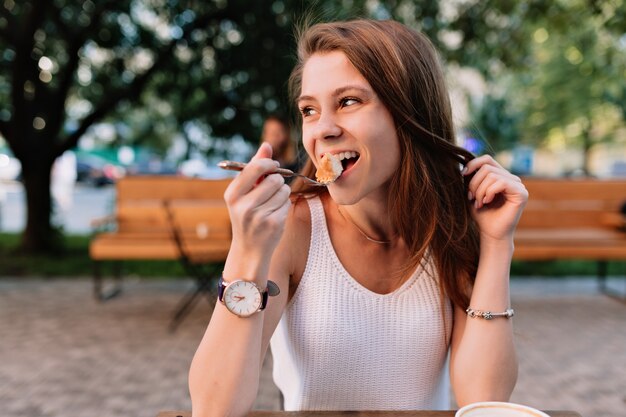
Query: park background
(170, 87)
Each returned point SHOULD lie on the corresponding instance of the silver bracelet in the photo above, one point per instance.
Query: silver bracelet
(488, 315)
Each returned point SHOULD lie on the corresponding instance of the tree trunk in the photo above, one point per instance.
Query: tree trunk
(188, 143)
(39, 236)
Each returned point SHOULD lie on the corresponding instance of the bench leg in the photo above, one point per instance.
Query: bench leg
(184, 308)
(99, 293)
(602, 283)
(203, 286)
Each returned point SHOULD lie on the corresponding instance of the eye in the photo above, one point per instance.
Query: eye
(307, 111)
(348, 101)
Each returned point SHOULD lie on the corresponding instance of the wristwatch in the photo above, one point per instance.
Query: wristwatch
(245, 298)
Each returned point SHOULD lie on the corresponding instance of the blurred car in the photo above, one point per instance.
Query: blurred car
(93, 170)
(618, 169)
(10, 167)
(199, 168)
(152, 166)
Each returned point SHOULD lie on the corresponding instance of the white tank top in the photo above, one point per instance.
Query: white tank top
(340, 346)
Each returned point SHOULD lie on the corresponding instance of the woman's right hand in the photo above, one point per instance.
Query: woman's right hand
(258, 203)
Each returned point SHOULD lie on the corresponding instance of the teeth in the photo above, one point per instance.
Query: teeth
(346, 155)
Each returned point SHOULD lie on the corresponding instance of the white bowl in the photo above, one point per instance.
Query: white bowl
(498, 409)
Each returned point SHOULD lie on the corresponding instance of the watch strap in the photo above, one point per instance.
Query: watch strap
(272, 288)
(264, 298)
(220, 289)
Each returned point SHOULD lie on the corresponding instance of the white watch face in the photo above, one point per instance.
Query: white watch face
(242, 298)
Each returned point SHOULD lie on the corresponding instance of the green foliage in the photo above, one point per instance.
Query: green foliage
(495, 122)
(568, 85)
(576, 68)
(71, 260)
(154, 69)
(151, 66)
(563, 268)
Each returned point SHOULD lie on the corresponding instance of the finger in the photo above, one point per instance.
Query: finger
(264, 151)
(278, 200)
(494, 189)
(280, 214)
(251, 176)
(476, 163)
(511, 189)
(265, 190)
(479, 177)
(488, 191)
(480, 192)
(276, 219)
(486, 170)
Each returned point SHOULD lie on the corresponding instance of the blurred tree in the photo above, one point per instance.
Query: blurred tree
(574, 91)
(495, 121)
(67, 65)
(563, 77)
(242, 90)
(155, 68)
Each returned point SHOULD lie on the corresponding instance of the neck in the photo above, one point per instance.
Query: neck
(372, 222)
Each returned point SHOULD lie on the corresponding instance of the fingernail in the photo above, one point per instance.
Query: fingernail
(476, 204)
(464, 171)
(485, 200)
(277, 163)
(470, 196)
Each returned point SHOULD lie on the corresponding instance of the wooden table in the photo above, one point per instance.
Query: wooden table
(424, 413)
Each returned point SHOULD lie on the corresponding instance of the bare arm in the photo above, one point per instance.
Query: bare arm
(224, 374)
(483, 360)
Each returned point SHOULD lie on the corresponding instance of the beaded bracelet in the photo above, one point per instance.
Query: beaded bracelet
(488, 315)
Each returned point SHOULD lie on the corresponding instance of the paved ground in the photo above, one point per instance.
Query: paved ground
(63, 354)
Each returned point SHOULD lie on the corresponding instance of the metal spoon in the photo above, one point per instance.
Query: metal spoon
(287, 173)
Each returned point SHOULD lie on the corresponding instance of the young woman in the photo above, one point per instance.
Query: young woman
(394, 280)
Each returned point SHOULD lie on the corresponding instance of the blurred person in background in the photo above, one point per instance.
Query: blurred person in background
(277, 132)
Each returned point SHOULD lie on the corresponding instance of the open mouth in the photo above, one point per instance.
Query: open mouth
(347, 159)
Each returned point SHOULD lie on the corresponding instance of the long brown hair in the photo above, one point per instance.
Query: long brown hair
(428, 201)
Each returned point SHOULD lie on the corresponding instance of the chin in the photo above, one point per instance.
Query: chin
(344, 197)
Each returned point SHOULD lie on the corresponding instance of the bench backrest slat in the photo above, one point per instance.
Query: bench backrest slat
(197, 205)
(171, 188)
(571, 203)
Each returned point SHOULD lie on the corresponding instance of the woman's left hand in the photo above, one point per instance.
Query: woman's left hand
(498, 198)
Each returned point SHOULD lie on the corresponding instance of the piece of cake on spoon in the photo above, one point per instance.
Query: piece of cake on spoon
(329, 170)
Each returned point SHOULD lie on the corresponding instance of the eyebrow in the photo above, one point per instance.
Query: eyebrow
(339, 91)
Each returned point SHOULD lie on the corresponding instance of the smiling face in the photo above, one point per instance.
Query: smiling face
(342, 115)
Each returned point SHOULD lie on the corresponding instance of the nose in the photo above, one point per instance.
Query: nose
(327, 127)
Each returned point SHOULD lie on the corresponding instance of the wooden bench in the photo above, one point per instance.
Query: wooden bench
(164, 218)
(573, 219)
